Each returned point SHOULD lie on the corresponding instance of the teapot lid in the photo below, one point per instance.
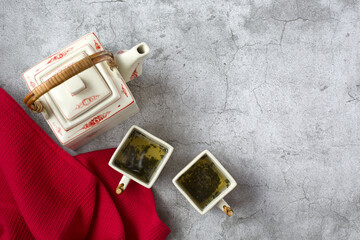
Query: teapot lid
(80, 93)
(83, 96)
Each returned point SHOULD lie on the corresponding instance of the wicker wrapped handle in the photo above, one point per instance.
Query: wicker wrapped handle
(65, 74)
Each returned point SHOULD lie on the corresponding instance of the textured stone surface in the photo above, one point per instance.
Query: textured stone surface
(271, 88)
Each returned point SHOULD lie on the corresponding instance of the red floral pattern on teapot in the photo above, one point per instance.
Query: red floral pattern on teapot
(97, 46)
(60, 55)
(96, 120)
(87, 101)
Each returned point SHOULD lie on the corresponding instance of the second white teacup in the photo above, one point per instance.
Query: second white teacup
(204, 182)
(140, 157)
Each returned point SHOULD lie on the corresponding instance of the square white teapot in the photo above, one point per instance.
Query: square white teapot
(81, 90)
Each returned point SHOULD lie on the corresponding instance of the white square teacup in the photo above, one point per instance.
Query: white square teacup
(219, 201)
(128, 176)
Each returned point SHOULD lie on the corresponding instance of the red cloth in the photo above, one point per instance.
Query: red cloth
(45, 193)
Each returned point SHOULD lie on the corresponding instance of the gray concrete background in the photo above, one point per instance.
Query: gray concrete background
(271, 88)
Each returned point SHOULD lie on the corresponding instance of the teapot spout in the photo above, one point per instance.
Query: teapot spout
(130, 61)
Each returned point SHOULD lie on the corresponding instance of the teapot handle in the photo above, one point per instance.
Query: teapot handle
(65, 74)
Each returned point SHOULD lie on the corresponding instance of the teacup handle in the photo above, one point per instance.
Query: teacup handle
(122, 184)
(225, 207)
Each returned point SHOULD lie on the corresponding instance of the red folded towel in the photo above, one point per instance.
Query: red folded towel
(45, 193)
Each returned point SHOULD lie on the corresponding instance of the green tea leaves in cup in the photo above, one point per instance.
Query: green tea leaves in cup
(140, 156)
(203, 181)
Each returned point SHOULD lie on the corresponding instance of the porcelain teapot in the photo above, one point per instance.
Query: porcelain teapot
(81, 90)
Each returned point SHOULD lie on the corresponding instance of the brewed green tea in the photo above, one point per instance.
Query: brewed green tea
(203, 181)
(140, 156)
